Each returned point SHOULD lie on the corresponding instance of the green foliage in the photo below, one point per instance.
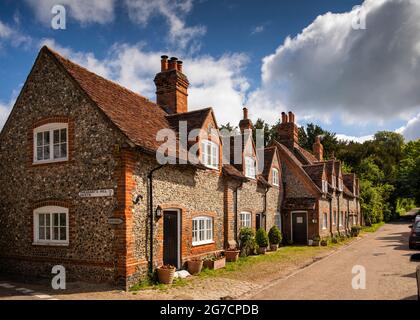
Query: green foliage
(274, 235)
(261, 238)
(404, 205)
(247, 241)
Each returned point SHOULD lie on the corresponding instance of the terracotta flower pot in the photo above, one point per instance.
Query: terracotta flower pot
(232, 255)
(262, 250)
(274, 247)
(215, 264)
(166, 274)
(195, 266)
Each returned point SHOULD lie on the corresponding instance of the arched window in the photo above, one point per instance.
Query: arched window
(51, 225)
(51, 143)
(202, 230)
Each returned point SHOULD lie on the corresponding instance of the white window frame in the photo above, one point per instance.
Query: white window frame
(278, 215)
(324, 186)
(341, 218)
(50, 127)
(213, 161)
(340, 185)
(324, 221)
(207, 221)
(50, 210)
(247, 222)
(275, 173)
(250, 167)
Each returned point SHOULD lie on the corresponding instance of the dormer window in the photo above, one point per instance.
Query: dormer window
(51, 143)
(340, 185)
(275, 174)
(250, 167)
(324, 186)
(210, 154)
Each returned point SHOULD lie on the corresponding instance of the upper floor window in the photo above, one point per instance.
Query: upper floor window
(324, 221)
(277, 220)
(340, 185)
(324, 186)
(202, 230)
(51, 143)
(245, 219)
(210, 154)
(51, 225)
(250, 167)
(275, 174)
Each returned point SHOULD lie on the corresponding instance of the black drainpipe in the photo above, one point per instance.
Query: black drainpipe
(331, 217)
(265, 208)
(151, 213)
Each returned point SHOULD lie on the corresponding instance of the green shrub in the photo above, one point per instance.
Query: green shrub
(355, 230)
(247, 242)
(334, 239)
(262, 238)
(274, 235)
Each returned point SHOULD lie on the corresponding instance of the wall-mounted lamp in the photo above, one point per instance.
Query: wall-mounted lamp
(159, 212)
(136, 198)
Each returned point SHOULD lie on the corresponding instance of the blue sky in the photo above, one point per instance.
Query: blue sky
(235, 53)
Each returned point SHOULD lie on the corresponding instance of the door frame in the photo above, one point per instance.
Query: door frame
(179, 234)
(291, 224)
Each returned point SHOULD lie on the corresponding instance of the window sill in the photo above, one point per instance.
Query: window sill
(202, 243)
(51, 244)
(35, 163)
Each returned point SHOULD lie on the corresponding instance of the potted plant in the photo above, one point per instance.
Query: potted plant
(232, 255)
(274, 236)
(166, 274)
(262, 240)
(215, 262)
(247, 241)
(316, 239)
(355, 230)
(195, 265)
(324, 242)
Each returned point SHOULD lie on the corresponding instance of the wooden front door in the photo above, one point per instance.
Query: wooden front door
(257, 221)
(170, 238)
(299, 228)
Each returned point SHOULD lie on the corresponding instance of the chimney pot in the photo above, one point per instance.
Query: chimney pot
(291, 117)
(283, 117)
(179, 66)
(173, 63)
(245, 113)
(164, 63)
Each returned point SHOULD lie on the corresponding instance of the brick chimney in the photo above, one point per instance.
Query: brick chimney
(288, 133)
(172, 86)
(245, 123)
(318, 149)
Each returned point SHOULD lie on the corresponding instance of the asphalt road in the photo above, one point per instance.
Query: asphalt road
(389, 265)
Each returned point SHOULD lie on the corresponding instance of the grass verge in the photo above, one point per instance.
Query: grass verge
(373, 227)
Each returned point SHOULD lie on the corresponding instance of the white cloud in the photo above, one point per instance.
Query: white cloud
(354, 138)
(257, 29)
(83, 11)
(362, 75)
(214, 82)
(12, 36)
(411, 131)
(174, 11)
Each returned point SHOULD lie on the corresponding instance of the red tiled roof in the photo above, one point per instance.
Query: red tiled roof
(269, 154)
(315, 171)
(308, 157)
(137, 117)
(231, 171)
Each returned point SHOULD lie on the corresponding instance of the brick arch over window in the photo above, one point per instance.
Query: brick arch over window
(51, 120)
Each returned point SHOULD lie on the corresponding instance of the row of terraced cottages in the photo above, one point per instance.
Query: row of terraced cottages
(81, 185)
